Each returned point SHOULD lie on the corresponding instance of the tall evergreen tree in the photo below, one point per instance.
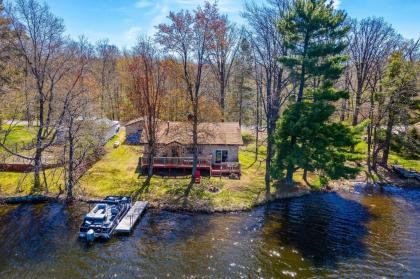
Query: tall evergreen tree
(306, 138)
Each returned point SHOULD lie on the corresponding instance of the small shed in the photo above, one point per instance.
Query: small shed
(134, 130)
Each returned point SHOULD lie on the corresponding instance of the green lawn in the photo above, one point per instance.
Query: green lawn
(19, 134)
(17, 183)
(394, 158)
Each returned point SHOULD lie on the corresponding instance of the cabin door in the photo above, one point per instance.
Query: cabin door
(175, 151)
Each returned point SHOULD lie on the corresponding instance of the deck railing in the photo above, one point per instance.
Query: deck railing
(177, 161)
(227, 166)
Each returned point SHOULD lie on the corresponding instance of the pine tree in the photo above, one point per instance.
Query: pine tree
(306, 138)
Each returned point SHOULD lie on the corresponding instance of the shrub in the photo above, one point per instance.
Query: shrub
(247, 138)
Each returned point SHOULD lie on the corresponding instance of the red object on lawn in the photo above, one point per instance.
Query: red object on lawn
(197, 176)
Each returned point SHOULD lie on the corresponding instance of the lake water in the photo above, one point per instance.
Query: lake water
(369, 234)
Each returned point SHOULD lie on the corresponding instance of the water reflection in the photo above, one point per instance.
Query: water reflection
(325, 228)
(369, 234)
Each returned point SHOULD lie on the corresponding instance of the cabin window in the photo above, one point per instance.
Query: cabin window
(190, 150)
(221, 156)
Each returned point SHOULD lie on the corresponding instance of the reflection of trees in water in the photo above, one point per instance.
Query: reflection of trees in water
(389, 234)
(32, 233)
(198, 244)
(323, 228)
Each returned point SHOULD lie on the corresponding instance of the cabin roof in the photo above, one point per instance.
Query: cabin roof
(209, 133)
(134, 121)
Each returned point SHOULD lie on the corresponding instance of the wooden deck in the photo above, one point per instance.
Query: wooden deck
(130, 219)
(178, 162)
(204, 163)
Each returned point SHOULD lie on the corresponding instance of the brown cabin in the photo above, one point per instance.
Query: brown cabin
(218, 147)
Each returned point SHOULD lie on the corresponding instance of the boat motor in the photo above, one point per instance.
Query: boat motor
(90, 235)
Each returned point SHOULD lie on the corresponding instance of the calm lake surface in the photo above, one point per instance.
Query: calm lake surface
(368, 234)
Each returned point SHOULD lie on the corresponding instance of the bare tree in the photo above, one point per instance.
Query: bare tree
(148, 72)
(38, 39)
(189, 37)
(8, 73)
(222, 55)
(241, 77)
(268, 45)
(78, 144)
(108, 79)
(258, 79)
(370, 42)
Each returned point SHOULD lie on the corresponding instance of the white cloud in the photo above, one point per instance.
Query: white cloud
(336, 4)
(131, 35)
(141, 4)
(156, 16)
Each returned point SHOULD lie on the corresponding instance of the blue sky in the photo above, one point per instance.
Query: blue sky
(121, 21)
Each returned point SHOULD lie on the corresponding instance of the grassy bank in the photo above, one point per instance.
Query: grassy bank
(394, 158)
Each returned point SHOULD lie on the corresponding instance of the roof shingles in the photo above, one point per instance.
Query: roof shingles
(220, 133)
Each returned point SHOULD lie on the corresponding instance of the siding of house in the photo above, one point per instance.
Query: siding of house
(204, 150)
(211, 149)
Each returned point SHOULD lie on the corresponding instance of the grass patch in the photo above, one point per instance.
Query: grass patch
(394, 158)
(19, 135)
(17, 183)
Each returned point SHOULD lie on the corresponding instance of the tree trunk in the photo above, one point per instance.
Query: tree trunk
(290, 169)
(195, 140)
(150, 163)
(343, 110)
(70, 170)
(241, 99)
(267, 169)
(388, 138)
(370, 127)
(37, 170)
(257, 124)
(293, 140)
(222, 98)
(26, 91)
(269, 139)
(222, 89)
(357, 105)
(375, 151)
(38, 150)
(305, 175)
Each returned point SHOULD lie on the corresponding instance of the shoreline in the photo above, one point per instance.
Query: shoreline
(161, 205)
(282, 193)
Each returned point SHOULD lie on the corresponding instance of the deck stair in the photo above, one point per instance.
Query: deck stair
(130, 219)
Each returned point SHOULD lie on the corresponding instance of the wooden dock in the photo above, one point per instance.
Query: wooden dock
(130, 219)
